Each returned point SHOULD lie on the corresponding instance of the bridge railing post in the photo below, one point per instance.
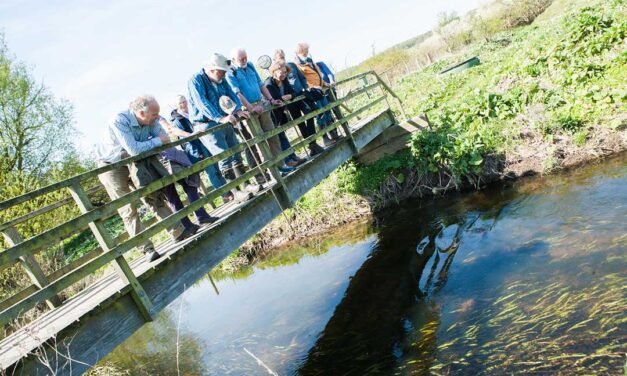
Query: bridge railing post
(345, 126)
(389, 90)
(256, 130)
(32, 268)
(106, 242)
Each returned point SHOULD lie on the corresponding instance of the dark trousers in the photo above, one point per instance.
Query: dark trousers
(174, 202)
(192, 194)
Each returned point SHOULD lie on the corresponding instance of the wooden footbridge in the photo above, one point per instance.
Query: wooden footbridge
(118, 296)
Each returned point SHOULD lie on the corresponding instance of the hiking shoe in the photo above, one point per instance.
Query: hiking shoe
(334, 135)
(327, 141)
(315, 149)
(262, 179)
(284, 170)
(207, 220)
(189, 231)
(240, 196)
(151, 255)
(298, 160)
(253, 188)
(227, 197)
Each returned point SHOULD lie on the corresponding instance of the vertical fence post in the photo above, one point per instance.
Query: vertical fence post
(33, 270)
(344, 124)
(256, 130)
(389, 90)
(107, 243)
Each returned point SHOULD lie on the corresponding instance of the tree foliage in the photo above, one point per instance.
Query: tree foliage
(35, 127)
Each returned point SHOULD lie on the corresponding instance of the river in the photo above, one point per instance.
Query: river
(525, 279)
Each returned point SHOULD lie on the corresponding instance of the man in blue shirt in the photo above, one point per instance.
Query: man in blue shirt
(249, 88)
(205, 89)
(129, 133)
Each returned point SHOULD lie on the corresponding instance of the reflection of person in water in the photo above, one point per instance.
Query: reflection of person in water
(387, 316)
(370, 322)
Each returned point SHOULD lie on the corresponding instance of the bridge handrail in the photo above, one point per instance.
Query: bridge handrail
(83, 220)
(97, 171)
(93, 215)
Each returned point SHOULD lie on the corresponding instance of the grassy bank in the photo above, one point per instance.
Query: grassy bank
(547, 96)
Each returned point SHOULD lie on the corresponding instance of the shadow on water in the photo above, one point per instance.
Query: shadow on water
(387, 296)
(516, 280)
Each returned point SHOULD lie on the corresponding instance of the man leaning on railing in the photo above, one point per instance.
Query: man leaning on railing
(279, 86)
(129, 133)
(312, 74)
(205, 89)
(247, 85)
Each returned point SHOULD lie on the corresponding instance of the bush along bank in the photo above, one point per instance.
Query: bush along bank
(547, 96)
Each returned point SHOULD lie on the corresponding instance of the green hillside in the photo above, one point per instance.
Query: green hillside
(546, 95)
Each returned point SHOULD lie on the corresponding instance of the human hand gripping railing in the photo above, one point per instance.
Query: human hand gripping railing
(9, 256)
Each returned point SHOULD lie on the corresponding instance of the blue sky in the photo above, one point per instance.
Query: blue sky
(100, 54)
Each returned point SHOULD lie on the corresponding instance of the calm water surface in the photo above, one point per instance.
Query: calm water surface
(522, 280)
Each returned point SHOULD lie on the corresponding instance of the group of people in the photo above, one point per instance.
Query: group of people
(223, 91)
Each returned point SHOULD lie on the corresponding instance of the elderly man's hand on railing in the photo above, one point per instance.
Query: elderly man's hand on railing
(165, 139)
(242, 114)
(276, 102)
(258, 109)
(228, 119)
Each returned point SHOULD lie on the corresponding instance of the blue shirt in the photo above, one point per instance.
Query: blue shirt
(327, 75)
(246, 81)
(204, 98)
(124, 133)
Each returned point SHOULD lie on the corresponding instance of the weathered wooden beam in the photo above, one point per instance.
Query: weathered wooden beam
(106, 242)
(352, 78)
(32, 268)
(45, 209)
(256, 130)
(389, 90)
(345, 127)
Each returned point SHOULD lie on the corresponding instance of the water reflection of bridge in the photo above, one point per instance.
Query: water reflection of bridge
(386, 315)
(109, 310)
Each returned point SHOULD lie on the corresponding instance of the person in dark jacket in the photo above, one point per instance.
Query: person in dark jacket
(175, 160)
(195, 149)
(279, 87)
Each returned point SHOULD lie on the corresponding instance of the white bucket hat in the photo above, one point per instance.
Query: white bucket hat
(218, 61)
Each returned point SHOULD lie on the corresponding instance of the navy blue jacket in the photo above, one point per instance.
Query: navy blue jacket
(193, 148)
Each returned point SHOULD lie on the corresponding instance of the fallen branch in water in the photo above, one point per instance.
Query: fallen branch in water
(261, 363)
